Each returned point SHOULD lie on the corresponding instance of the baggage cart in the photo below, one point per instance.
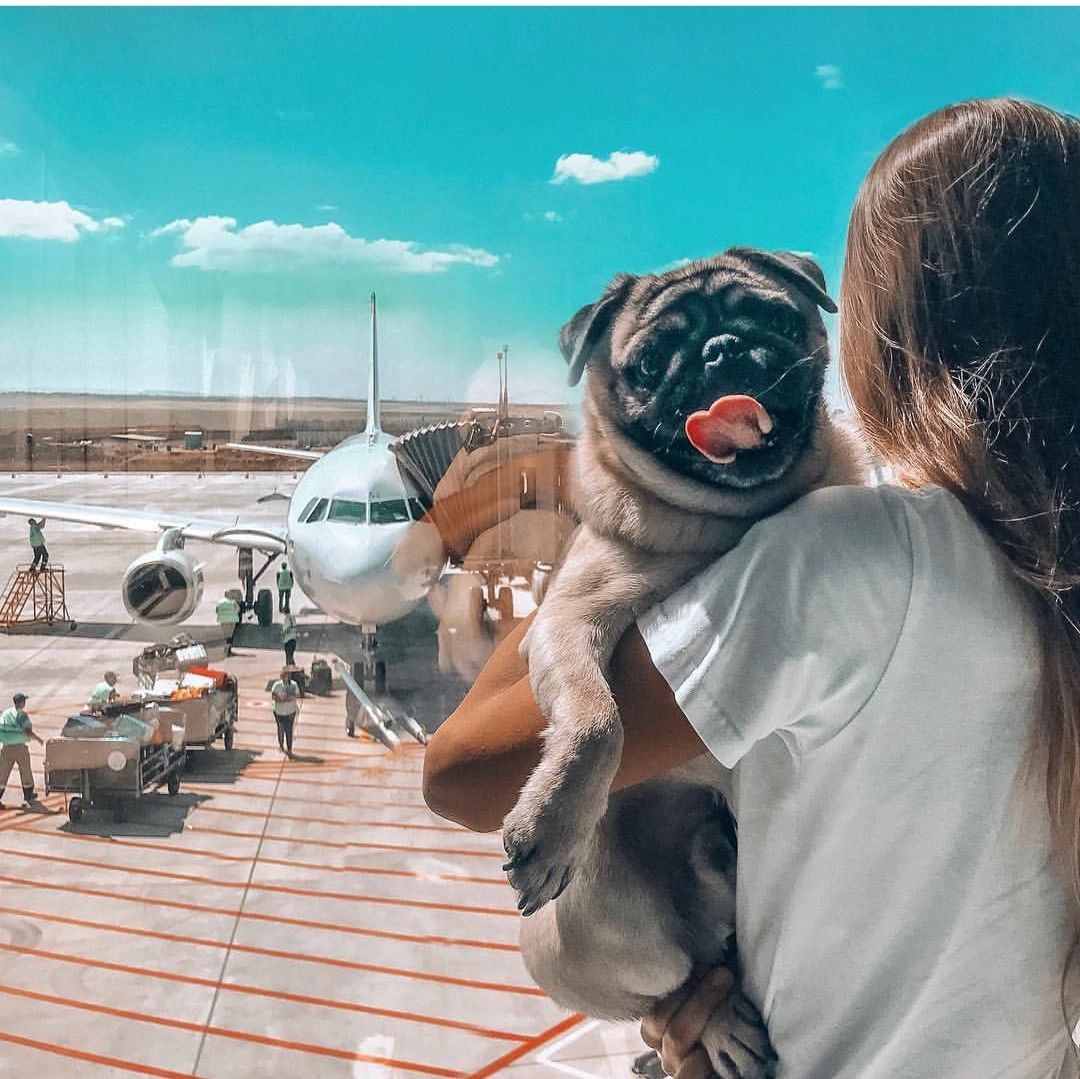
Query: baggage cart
(209, 714)
(175, 674)
(110, 761)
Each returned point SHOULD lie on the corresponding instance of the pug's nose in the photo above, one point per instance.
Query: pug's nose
(726, 347)
(719, 348)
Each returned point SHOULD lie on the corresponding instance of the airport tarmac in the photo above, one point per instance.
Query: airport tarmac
(273, 918)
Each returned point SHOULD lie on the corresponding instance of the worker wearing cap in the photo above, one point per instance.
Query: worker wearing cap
(15, 731)
(104, 692)
(284, 587)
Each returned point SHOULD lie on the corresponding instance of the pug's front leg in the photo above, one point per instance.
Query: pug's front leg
(568, 648)
(547, 832)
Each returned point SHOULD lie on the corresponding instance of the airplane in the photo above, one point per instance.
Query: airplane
(349, 511)
(355, 536)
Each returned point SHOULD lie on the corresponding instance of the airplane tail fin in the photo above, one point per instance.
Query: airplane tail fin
(374, 410)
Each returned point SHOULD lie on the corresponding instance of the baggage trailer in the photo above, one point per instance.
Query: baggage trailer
(208, 715)
(112, 769)
(175, 675)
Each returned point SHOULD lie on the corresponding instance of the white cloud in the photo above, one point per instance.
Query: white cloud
(215, 243)
(181, 224)
(7, 148)
(832, 78)
(113, 223)
(552, 215)
(43, 220)
(586, 169)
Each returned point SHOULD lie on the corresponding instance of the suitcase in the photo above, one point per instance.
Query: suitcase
(320, 681)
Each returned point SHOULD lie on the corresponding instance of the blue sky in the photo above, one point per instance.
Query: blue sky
(200, 200)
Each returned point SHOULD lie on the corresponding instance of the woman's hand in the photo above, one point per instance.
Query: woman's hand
(709, 1028)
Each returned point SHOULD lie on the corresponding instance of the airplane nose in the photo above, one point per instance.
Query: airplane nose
(418, 558)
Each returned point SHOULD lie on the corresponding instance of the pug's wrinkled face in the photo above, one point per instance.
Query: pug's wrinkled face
(717, 368)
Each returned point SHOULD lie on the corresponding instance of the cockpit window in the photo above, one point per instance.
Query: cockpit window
(315, 510)
(416, 508)
(348, 511)
(389, 511)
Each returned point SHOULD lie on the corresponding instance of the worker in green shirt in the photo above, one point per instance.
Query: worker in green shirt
(37, 545)
(104, 692)
(284, 587)
(15, 731)
(227, 612)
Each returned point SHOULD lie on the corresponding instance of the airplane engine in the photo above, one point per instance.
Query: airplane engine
(163, 586)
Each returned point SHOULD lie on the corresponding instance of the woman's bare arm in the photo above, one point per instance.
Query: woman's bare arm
(479, 758)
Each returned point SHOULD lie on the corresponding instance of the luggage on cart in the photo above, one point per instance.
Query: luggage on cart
(321, 681)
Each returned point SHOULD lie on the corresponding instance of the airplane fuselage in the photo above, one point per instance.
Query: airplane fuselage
(348, 513)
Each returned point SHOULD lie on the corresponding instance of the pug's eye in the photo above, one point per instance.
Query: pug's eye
(646, 370)
(786, 324)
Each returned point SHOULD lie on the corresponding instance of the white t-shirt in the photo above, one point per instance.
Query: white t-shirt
(867, 665)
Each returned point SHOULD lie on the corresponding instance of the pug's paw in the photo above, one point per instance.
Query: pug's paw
(545, 839)
(737, 1041)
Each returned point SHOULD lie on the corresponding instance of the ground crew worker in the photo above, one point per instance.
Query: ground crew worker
(15, 730)
(284, 587)
(104, 692)
(227, 612)
(285, 694)
(289, 633)
(37, 545)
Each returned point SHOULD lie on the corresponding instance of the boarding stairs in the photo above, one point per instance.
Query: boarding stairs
(33, 598)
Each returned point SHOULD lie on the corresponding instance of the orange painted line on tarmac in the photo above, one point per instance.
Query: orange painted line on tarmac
(215, 789)
(345, 844)
(221, 1032)
(124, 843)
(387, 1013)
(456, 829)
(337, 784)
(94, 1058)
(272, 919)
(255, 990)
(277, 889)
(529, 1047)
(286, 954)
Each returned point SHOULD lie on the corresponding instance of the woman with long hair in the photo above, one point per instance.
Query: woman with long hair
(893, 673)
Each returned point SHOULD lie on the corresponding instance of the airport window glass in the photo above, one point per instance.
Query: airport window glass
(189, 345)
(348, 511)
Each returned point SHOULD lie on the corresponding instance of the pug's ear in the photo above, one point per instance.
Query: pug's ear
(579, 336)
(800, 270)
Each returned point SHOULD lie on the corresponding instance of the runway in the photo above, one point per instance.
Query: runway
(275, 918)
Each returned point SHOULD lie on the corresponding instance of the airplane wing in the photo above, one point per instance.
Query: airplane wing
(259, 537)
(276, 451)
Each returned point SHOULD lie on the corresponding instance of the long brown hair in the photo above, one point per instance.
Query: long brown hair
(960, 347)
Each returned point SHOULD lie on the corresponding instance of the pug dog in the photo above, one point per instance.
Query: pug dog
(703, 413)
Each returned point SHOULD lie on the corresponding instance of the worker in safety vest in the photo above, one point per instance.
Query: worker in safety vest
(15, 730)
(284, 587)
(227, 612)
(289, 633)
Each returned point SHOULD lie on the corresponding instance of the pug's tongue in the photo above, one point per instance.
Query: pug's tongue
(732, 423)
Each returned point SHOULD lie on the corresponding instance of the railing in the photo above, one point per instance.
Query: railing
(34, 596)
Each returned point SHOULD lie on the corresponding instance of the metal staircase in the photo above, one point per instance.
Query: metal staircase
(33, 598)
